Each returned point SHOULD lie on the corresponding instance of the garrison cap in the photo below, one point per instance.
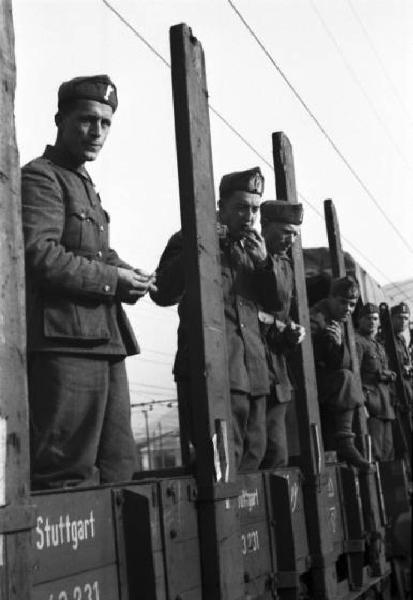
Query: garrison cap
(251, 181)
(400, 309)
(96, 87)
(369, 309)
(282, 212)
(346, 287)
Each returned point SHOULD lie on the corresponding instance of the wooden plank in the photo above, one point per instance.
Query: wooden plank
(15, 579)
(311, 458)
(369, 489)
(74, 532)
(215, 463)
(339, 270)
(98, 584)
(402, 407)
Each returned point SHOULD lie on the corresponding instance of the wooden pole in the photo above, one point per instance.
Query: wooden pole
(306, 405)
(15, 516)
(369, 482)
(215, 463)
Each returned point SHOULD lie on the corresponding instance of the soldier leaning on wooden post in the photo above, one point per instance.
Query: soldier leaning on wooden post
(249, 281)
(78, 333)
(376, 378)
(338, 390)
(400, 316)
(280, 222)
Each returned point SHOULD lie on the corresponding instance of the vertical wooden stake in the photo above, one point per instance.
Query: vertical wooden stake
(215, 464)
(306, 405)
(14, 429)
(370, 494)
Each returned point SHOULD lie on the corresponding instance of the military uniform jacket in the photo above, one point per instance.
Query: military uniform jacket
(244, 289)
(328, 356)
(276, 347)
(405, 361)
(71, 272)
(373, 362)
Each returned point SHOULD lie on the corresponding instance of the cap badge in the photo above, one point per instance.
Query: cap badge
(109, 90)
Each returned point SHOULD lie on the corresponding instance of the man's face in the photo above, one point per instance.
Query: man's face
(83, 129)
(369, 324)
(279, 237)
(341, 308)
(400, 322)
(239, 212)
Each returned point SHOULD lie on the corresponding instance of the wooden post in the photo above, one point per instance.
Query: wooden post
(15, 518)
(219, 526)
(369, 488)
(402, 408)
(306, 405)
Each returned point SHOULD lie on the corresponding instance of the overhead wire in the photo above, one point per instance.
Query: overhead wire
(317, 122)
(244, 140)
(359, 84)
(374, 51)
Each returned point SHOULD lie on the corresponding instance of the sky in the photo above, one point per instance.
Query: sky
(350, 62)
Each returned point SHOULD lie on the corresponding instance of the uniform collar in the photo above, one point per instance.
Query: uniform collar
(63, 159)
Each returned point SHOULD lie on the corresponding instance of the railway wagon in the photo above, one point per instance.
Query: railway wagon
(315, 529)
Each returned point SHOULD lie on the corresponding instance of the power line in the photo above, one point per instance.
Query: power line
(244, 140)
(320, 127)
(369, 41)
(359, 84)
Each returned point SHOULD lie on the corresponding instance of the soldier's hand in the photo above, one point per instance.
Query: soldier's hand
(333, 332)
(294, 333)
(133, 284)
(255, 246)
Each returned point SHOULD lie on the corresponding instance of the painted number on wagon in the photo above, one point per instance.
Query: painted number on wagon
(250, 542)
(88, 591)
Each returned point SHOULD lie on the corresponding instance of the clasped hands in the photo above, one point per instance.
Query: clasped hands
(334, 332)
(134, 284)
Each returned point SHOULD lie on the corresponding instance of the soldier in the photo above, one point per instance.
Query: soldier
(248, 280)
(78, 334)
(376, 378)
(400, 315)
(280, 223)
(339, 394)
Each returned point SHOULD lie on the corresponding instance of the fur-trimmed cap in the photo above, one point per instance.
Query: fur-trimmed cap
(369, 309)
(280, 211)
(400, 309)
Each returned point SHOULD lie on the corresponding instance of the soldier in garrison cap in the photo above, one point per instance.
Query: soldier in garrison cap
(376, 379)
(280, 222)
(338, 391)
(248, 281)
(78, 333)
(400, 317)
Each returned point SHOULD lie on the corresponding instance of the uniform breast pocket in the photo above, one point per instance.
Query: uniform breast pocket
(81, 230)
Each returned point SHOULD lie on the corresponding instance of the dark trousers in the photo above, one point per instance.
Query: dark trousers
(276, 454)
(248, 425)
(79, 421)
(381, 433)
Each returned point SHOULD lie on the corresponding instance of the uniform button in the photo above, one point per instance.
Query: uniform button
(102, 228)
(240, 303)
(242, 325)
(106, 288)
(83, 215)
(100, 254)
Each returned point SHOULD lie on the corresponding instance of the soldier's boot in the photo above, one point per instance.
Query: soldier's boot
(346, 449)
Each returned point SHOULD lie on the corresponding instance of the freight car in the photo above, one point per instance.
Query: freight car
(313, 530)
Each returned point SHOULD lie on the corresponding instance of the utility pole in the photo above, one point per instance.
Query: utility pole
(148, 437)
(15, 514)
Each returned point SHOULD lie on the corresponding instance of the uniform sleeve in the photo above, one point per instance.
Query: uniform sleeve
(48, 262)
(170, 274)
(270, 285)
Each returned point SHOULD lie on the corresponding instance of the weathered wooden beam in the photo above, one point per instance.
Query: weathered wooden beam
(306, 404)
(369, 489)
(215, 464)
(15, 580)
